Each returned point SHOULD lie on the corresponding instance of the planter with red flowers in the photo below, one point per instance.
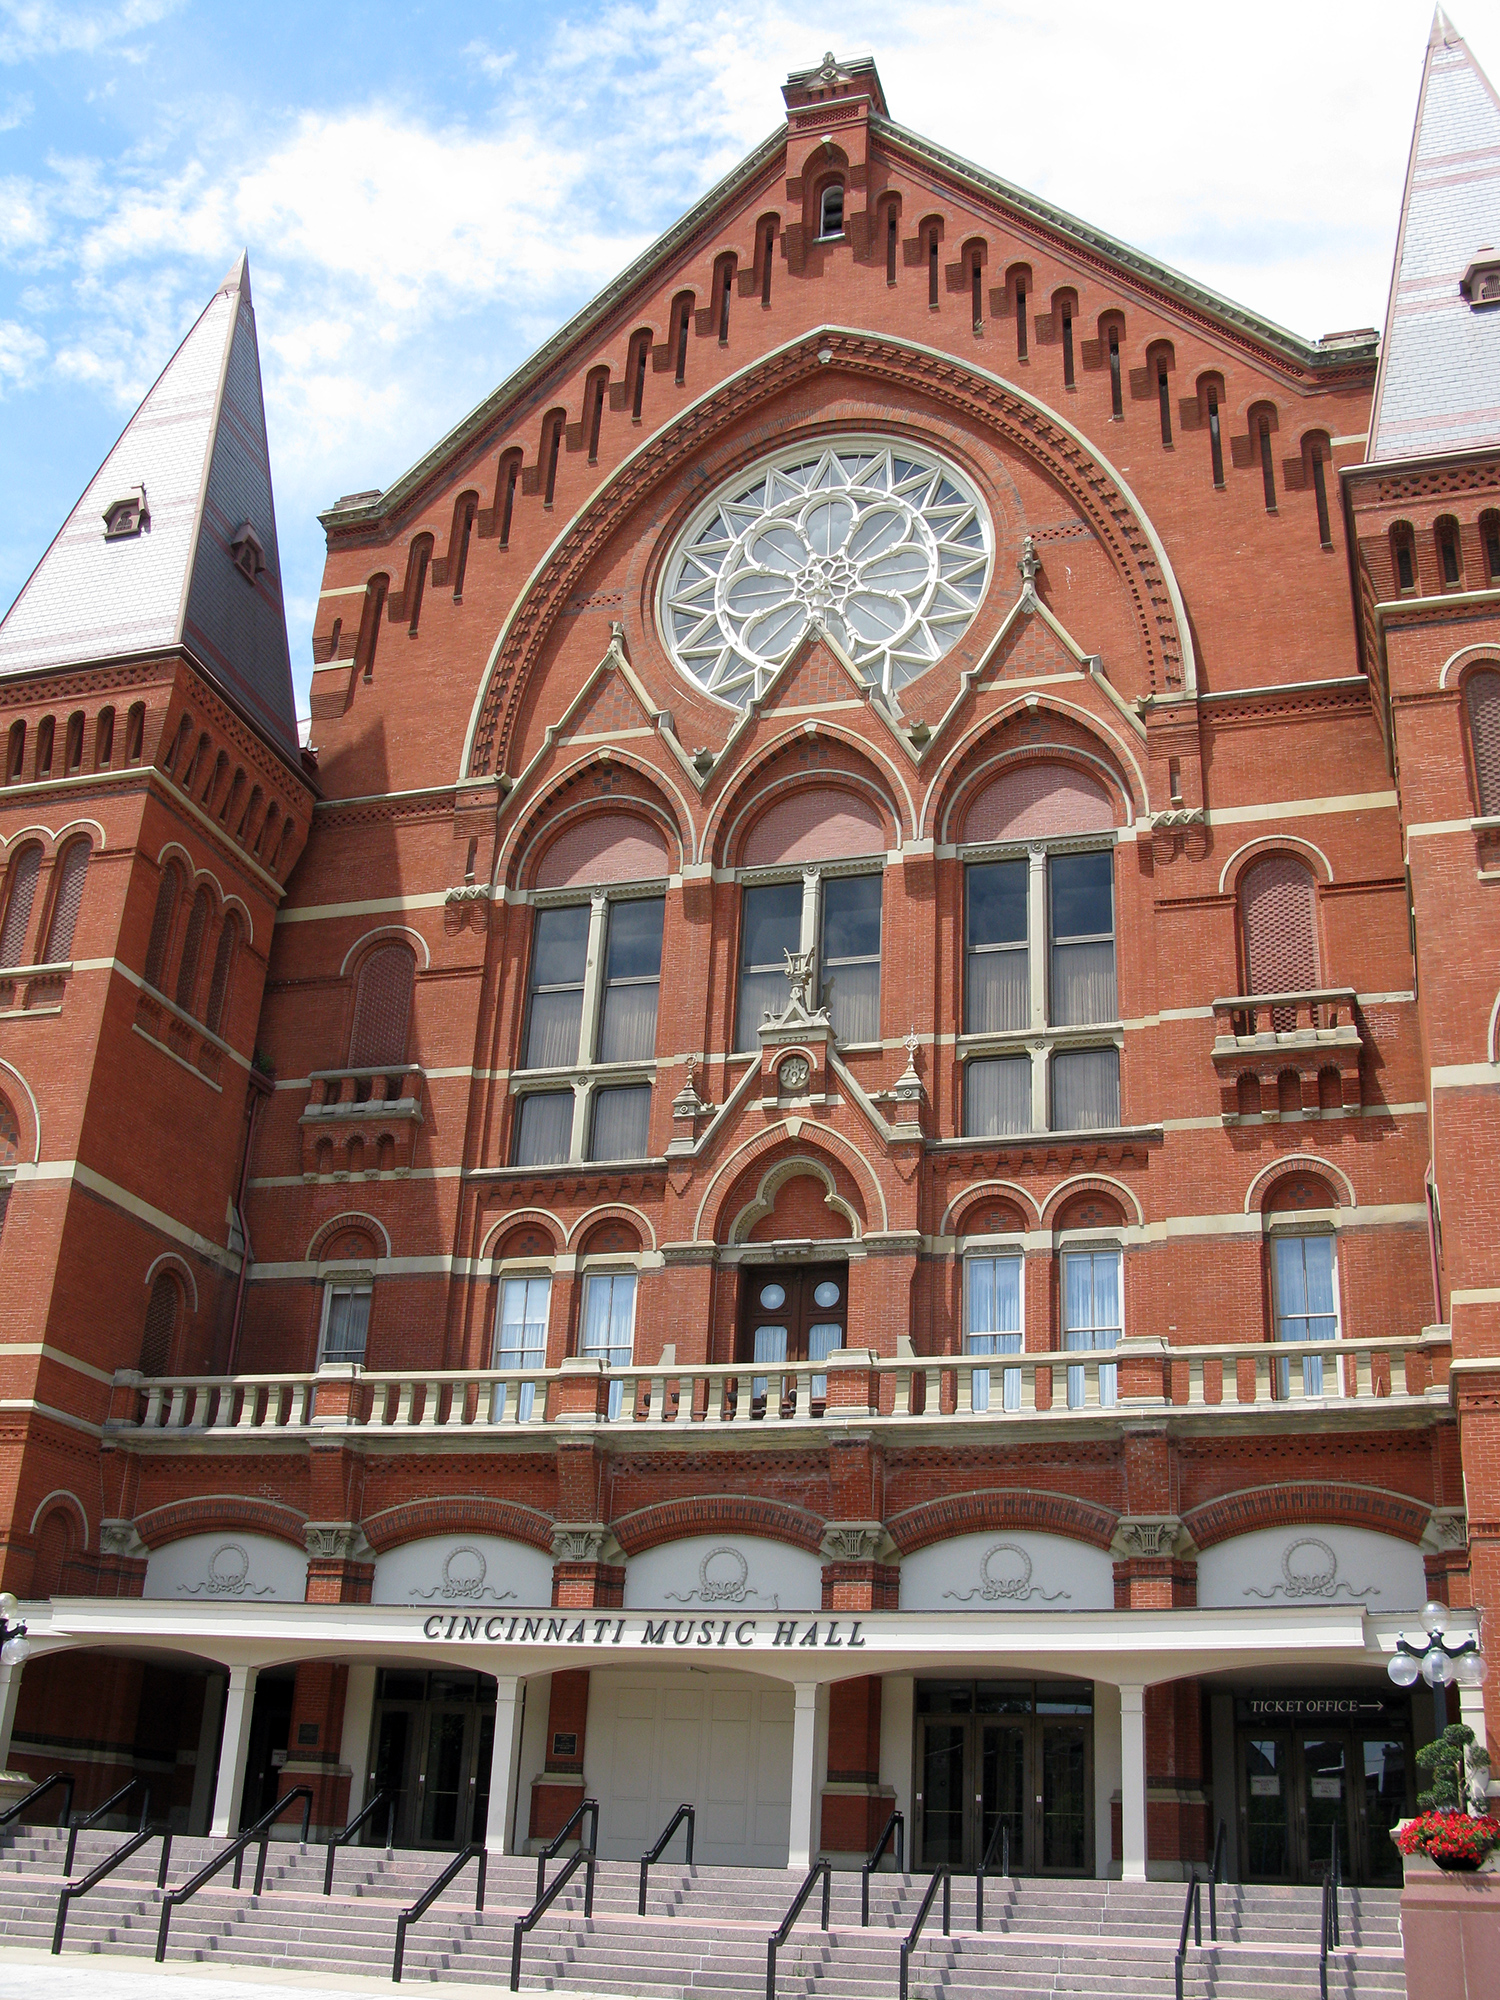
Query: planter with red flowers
(1457, 1841)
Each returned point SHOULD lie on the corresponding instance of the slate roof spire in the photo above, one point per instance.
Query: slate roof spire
(1438, 388)
(153, 556)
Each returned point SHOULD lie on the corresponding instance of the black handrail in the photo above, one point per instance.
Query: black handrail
(1000, 1836)
(73, 1890)
(65, 1778)
(235, 1852)
(98, 1813)
(1192, 1912)
(429, 1896)
(896, 1825)
(683, 1812)
(590, 1806)
(582, 1857)
(342, 1839)
(783, 1930)
(1221, 1852)
(944, 1874)
(1331, 1937)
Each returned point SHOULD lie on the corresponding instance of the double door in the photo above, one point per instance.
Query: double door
(431, 1741)
(796, 1312)
(1303, 1790)
(1016, 1789)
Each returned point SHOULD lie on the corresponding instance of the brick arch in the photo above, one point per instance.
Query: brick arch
(1259, 1190)
(218, 1513)
(611, 1211)
(355, 1220)
(563, 809)
(1001, 1507)
(820, 1150)
(963, 390)
(771, 780)
(458, 1514)
(498, 1228)
(993, 755)
(1308, 1503)
(1068, 1191)
(988, 1194)
(718, 1513)
(760, 1204)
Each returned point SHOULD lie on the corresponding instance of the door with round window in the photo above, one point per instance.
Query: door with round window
(790, 1314)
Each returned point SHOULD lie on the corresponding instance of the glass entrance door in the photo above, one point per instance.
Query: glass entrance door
(1005, 1770)
(431, 1742)
(1302, 1790)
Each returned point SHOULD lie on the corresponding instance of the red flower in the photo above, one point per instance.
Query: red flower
(1455, 1836)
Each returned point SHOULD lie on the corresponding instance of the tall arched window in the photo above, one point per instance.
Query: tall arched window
(15, 753)
(192, 948)
(369, 624)
(831, 210)
(382, 1008)
(20, 894)
(1482, 699)
(229, 938)
(1278, 911)
(161, 1325)
(67, 897)
(161, 923)
(10, 1153)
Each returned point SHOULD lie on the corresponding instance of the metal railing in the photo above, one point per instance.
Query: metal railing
(73, 1890)
(783, 1930)
(79, 1826)
(429, 1896)
(683, 1812)
(895, 1825)
(584, 1857)
(987, 1389)
(1330, 1939)
(941, 1874)
(999, 1838)
(554, 1846)
(66, 1779)
(234, 1852)
(387, 1796)
(1215, 1877)
(1192, 1913)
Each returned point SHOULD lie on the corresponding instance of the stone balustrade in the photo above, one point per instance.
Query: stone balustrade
(1288, 1054)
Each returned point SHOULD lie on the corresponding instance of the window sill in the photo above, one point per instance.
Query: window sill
(968, 1047)
(573, 1074)
(1103, 1135)
(556, 1167)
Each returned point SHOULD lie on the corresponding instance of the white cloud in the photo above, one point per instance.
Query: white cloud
(35, 28)
(21, 355)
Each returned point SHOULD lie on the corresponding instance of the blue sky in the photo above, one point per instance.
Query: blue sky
(426, 192)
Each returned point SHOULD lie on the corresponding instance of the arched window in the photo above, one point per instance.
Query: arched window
(15, 753)
(1317, 453)
(416, 580)
(458, 542)
(553, 426)
(161, 924)
(724, 268)
(197, 763)
(636, 363)
(682, 320)
(510, 474)
(1262, 422)
(1449, 552)
(20, 894)
(1404, 555)
(75, 742)
(831, 210)
(1482, 699)
(595, 396)
(251, 815)
(1489, 535)
(369, 624)
(66, 898)
(161, 1325)
(382, 1008)
(218, 987)
(104, 739)
(214, 783)
(44, 735)
(1278, 912)
(10, 1153)
(192, 947)
(229, 811)
(933, 232)
(1161, 359)
(56, 1538)
(179, 746)
(135, 731)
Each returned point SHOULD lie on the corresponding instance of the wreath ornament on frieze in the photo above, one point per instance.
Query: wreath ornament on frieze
(1064, 457)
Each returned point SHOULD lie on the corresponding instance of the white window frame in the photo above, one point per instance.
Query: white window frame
(523, 1273)
(825, 234)
(991, 1250)
(1039, 1040)
(585, 1075)
(1281, 1227)
(812, 875)
(359, 1281)
(609, 1267)
(1088, 1242)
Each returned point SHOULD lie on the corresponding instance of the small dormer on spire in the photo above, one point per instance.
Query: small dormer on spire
(856, 77)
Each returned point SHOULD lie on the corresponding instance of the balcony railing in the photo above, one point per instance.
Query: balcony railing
(1137, 1376)
(1324, 1018)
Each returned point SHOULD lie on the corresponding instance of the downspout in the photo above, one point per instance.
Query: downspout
(1430, 1188)
(261, 1088)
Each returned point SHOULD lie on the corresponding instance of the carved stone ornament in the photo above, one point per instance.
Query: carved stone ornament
(1310, 1570)
(1154, 1535)
(1005, 1573)
(227, 1574)
(793, 1074)
(723, 1578)
(335, 1541)
(856, 1541)
(463, 1581)
(119, 1538)
(586, 1543)
(1448, 1528)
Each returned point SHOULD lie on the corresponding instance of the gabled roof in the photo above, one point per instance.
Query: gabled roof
(1318, 358)
(1438, 388)
(195, 460)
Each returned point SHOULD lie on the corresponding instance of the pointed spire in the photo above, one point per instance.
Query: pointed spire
(153, 557)
(1440, 358)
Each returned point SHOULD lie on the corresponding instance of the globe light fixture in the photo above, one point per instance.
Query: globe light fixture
(15, 1647)
(1435, 1661)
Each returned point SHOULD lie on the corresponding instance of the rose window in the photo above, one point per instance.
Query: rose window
(886, 546)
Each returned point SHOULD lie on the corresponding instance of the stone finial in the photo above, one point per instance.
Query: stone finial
(1030, 566)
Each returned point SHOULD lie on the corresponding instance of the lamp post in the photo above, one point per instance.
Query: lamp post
(15, 1647)
(1434, 1659)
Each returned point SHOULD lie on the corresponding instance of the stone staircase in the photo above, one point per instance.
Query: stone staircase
(704, 1935)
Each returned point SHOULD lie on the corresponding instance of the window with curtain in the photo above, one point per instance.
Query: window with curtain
(608, 1328)
(520, 1340)
(1085, 1090)
(382, 1008)
(1091, 1317)
(1081, 973)
(997, 1097)
(346, 1322)
(1306, 1303)
(20, 893)
(621, 1122)
(544, 1128)
(997, 979)
(66, 901)
(992, 1323)
(770, 926)
(849, 956)
(559, 952)
(1482, 699)
(632, 981)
